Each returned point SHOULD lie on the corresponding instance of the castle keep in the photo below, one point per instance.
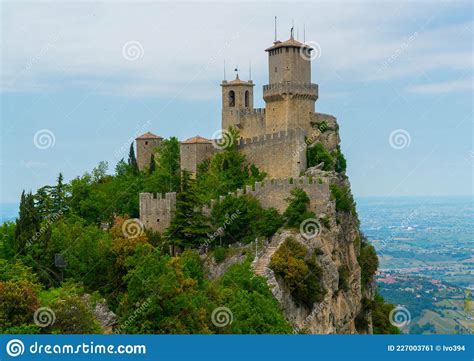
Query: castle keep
(273, 138)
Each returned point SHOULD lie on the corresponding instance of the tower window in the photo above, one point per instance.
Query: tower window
(146, 142)
(247, 100)
(231, 98)
(275, 69)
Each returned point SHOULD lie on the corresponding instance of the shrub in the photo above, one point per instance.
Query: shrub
(300, 272)
(340, 163)
(343, 198)
(326, 222)
(297, 210)
(368, 262)
(343, 278)
(316, 154)
(220, 254)
(243, 219)
(18, 302)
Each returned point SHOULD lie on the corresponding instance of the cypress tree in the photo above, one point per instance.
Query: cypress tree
(27, 223)
(132, 161)
(189, 227)
(152, 164)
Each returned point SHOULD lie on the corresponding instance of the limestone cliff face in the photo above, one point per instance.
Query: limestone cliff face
(338, 246)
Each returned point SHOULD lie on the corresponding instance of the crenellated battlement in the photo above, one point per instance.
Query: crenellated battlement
(157, 210)
(273, 193)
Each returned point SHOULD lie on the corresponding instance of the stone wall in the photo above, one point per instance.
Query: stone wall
(280, 155)
(273, 193)
(192, 154)
(251, 122)
(145, 148)
(156, 211)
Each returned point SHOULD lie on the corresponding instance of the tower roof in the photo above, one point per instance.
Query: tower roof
(288, 43)
(237, 81)
(197, 139)
(149, 135)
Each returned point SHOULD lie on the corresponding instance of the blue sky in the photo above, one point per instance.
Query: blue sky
(385, 68)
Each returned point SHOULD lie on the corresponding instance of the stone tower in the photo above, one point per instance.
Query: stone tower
(146, 146)
(289, 96)
(237, 98)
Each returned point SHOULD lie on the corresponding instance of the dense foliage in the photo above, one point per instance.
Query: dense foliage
(297, 210)
(300, 271)
(70, 249)
(243, 219)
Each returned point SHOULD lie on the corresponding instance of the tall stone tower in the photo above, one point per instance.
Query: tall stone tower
(146, 146)
(289, 96)
(237, 97)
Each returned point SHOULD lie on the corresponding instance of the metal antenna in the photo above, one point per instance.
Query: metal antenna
(304, 33)
(275, 28)
(292, 27)
(224, 69)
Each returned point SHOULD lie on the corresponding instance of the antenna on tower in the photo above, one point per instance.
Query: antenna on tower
(224, 69)
(236, 72)
(304, 33)
(292, 27)
(275, 28)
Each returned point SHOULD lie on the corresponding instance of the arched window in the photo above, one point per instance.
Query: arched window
(231, 98)
(247, 100)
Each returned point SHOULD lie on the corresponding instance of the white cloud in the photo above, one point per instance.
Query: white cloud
(61, 45)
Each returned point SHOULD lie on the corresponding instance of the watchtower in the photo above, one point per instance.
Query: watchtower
(289, 96)
(146, 146)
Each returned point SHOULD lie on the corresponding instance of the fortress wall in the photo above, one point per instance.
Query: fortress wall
(252, 122)
(280, 155)
(156, 211)
(273, 193)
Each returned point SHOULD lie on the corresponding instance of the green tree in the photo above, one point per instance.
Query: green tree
(163, 297)
(166, 176)
(300, 272)
(189, 227)
(297, 210)
(132, 160)
(152, 167)
(18, 302)
(7, 240)
(253, 308)
(317, 154)
(28, 222)
(225, 172)
(242, 219)
(368, 262)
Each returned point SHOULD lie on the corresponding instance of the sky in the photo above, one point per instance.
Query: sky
(80, 80)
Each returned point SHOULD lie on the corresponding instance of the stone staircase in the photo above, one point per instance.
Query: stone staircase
(262, 263)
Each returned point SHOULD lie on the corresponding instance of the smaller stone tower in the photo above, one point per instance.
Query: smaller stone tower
(194, 151)
(237, 97)
(146, 146)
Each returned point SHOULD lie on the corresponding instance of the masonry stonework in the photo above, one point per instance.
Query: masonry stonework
(273, 138)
